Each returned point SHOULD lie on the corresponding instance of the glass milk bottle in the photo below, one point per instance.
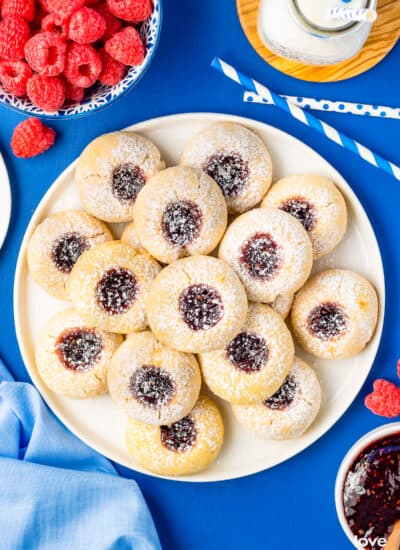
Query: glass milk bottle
(303, 30)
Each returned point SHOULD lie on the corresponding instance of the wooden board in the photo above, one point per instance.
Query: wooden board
(384, 35)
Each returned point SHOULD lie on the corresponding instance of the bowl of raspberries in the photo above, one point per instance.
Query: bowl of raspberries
(67, 58)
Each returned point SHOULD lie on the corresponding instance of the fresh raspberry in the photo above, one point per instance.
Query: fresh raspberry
(46, 92)
(384, 400)
(19, 8)
(113, 24)
(46, 53)
(113, 71)
(126, 47)
(86, 26)
(55, 23)
(83, 65)
(31, 137)
(45, 5)
(14, 32)
(134, 11)
(14, 76)
(75, 94)
(91, 2)
(65, 8)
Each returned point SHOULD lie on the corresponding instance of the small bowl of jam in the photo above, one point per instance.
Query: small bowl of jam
(367, 491)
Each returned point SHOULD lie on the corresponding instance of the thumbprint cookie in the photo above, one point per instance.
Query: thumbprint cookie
(181, 448)
(290, 411)
(72, 358)
(236, 158)
(152, 383)
(270, 251)
(196, 304)
(317, 203)
(112, 170)
(109, 285)
(57, 243)
(283, 304)
(335, 314)
(180, 212)
(131, 236)
(255, 362)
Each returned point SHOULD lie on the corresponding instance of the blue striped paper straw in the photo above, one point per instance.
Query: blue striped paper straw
(327, 105)
(306, 118)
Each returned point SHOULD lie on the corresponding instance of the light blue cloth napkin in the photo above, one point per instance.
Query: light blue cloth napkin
(55, 492)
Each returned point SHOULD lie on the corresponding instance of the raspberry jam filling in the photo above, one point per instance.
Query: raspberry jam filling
(371, 491)
(127, 181)
(260, 256)
(67, 249)
(302, 210)
(152, 386)
(327, 321)
(230, 172)
(116, 291)
(181, 222)
(284, 397)
(180, 436)
(248, 352)
(79, 349)
(201, 307)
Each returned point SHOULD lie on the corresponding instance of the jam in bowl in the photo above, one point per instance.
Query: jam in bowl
(367, 490)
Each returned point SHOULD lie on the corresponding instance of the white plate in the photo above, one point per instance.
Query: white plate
(5, 201)
(98, 422)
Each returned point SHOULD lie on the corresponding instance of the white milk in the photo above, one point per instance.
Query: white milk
(316, 12)
(284, 31)
(288, 34)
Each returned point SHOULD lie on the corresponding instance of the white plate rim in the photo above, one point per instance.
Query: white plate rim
(143, 126)
(6, 201)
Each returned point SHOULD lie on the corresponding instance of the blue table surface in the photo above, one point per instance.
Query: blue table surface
(290, 506)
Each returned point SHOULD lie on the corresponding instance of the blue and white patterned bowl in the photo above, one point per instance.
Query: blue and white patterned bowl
(101, 96)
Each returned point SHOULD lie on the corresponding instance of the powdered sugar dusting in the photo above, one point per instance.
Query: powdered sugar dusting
(79, 349)
(302, 210)
(185, 447)
(301, 394)
(282, 241)
(180, 212)
(67, 249)
(263, 349)
(282, 304)
(230, 172)
(284, 397)
(327, 321)
(201, 307)
(153, 383)
(165, 316)
(238, 160)
(56, 245)
(110, 284)
(67, 338)
(260, 255)
(152, 386)
(317, 203)
(111, 171)
(248, 351)
(117, 290)
(127, 180)
(335, 313)
(131, 236)
(181, 222)
(180, 436)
